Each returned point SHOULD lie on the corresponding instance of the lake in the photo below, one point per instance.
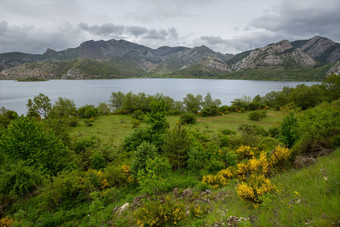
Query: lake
(14, 95)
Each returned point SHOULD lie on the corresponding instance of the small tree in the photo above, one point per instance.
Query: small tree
(156, 118)
(177, 146)
(40, 106)
(288, 130)
(193, 103)
(144, 152)
(152, 180)
(25, 140)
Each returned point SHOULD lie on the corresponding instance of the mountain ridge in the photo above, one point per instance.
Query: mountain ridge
(121, 58)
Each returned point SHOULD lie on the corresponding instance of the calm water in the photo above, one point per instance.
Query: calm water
(14, 95)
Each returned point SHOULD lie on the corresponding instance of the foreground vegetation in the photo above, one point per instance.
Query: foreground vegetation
(152, 161)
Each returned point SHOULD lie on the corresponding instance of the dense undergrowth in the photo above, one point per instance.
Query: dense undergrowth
(152, 161)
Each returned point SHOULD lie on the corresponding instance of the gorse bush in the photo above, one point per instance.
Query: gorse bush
(155, 213)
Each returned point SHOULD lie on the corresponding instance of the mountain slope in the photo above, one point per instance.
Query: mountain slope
(320, 48)
(278, 54)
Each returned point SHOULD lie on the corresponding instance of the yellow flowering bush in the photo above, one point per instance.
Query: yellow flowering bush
(218, 180)
(155, 213)
(280, 157)
(255, 188)
(246, 152)
(6, 222)
(199, 211)
(260, 165)
(242, 171)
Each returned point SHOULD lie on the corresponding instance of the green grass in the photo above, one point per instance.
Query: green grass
(114, 128)
(110, 129)
(310, 196)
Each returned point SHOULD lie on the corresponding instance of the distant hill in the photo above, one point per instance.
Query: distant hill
(120, 58)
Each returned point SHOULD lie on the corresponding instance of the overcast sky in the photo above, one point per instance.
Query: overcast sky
(228, 26)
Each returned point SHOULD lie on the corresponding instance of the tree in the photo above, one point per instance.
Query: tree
(209, 102)
(177, 146)
(25, 140)
(63, 107)
(305, 97)
(40, 106)
(288, 130)
(117, 99)
(156, 118)
(332, 86)
(193, 103)
(153, 179)
(144, 152)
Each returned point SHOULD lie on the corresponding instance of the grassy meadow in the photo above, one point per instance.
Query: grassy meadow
(113, 129)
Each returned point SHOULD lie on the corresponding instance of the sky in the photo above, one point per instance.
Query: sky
(227, 26)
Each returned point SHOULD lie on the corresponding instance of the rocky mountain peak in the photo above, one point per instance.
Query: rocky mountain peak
(49, 52)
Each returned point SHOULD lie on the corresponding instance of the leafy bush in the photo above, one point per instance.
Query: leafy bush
(141, 155)
(25, 140)
(18, 180)
(153, 179)
(256, 116)
(138, 114)
(288, 130)
(187, 118)
(131, 142)
(87, 111)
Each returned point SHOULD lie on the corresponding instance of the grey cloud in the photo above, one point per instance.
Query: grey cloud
(110, 30)
(302, 18)
(28, 38)
(238, 44)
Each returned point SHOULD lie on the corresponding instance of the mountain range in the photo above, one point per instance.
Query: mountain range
(121, 58)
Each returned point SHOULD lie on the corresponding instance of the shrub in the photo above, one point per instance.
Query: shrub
(155, 213)
(288, 130)
(256, 187)
(187, 118)
(138, 114)
(218, 180)
(279, 158)
(131, 142)
(25, 140)
(246, 152)
(87, 111)
(97, 160)
(141, 155)
(153, 179)
(18, 180)
(256, 116)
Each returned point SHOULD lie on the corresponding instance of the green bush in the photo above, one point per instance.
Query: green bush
(141, 155)
(25, 140)
(256, 116)
(187, 118)
(87, 111)
(18, 180)
(138, 136)
(153, 179)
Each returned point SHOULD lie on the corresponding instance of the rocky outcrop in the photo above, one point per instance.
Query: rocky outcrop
(320, 48)
(277, 54)
(335, 69)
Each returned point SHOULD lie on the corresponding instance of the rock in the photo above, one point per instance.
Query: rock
(335, 69)
(187, 193)
(121, 209)
(233, 220)
(277, 54)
